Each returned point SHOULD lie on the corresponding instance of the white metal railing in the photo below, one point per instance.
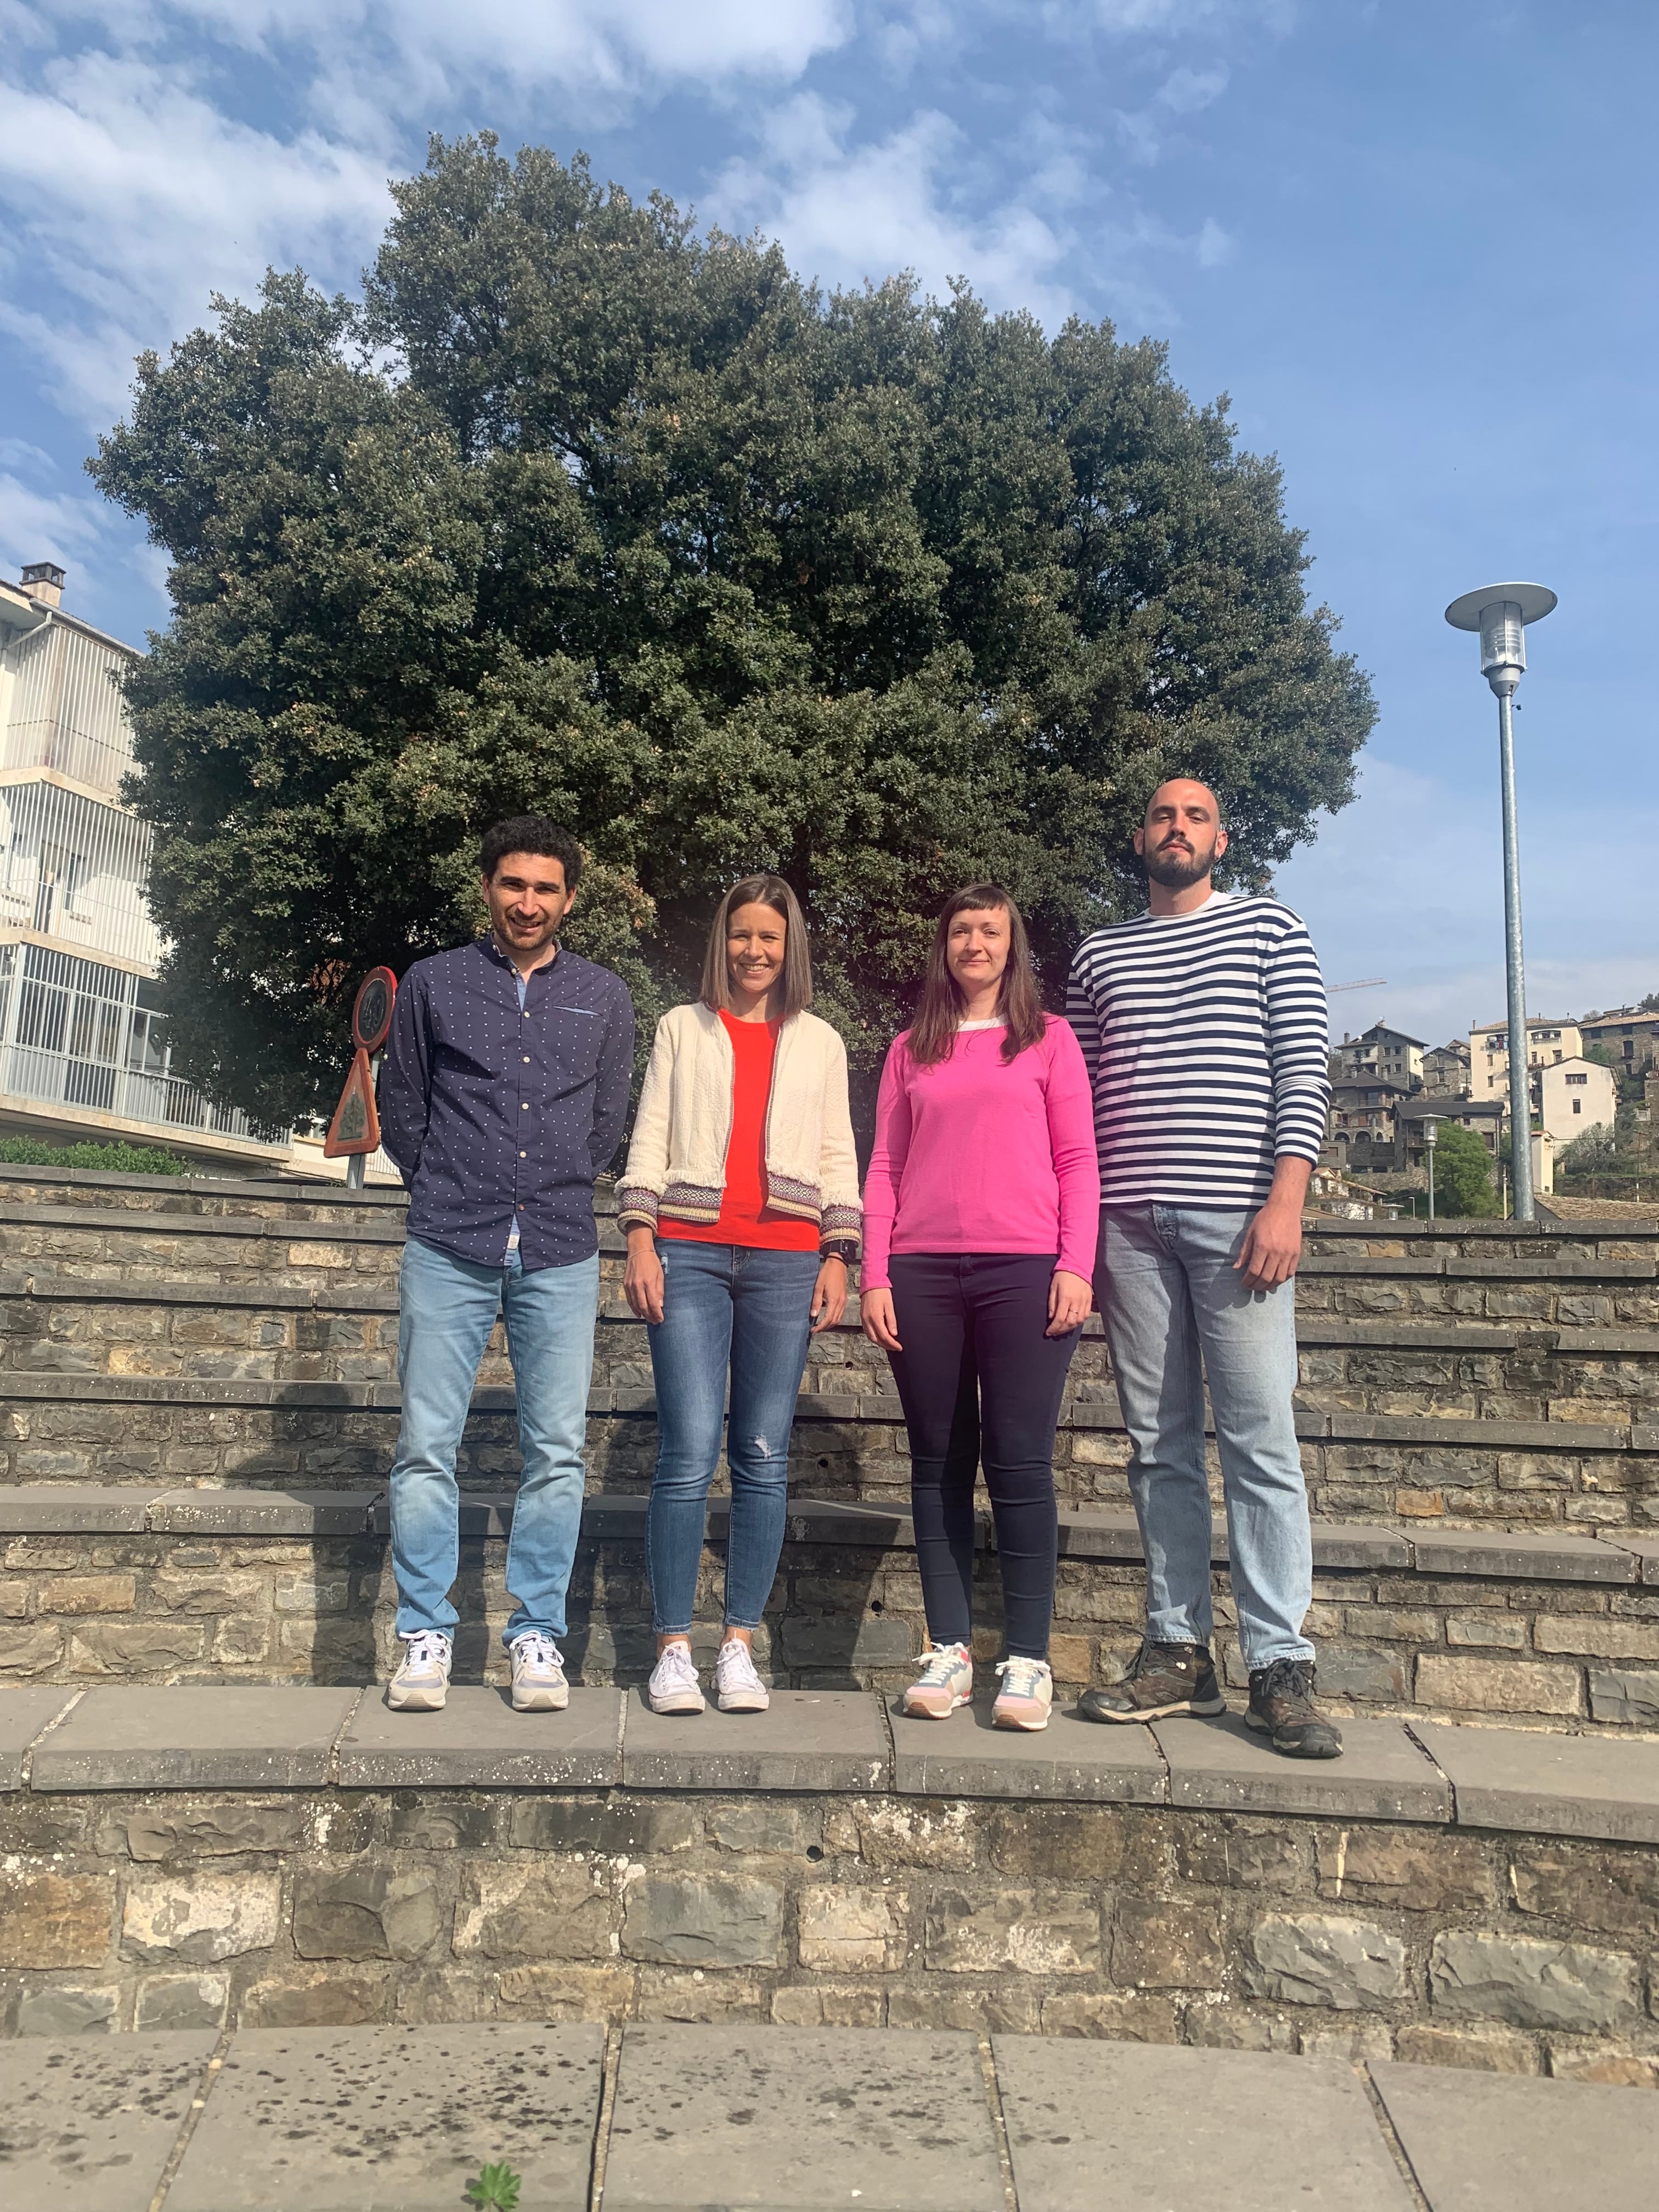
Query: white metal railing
(164, 1101)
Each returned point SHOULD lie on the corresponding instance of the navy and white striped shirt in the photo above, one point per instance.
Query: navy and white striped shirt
(499, 1112)
(1207, 1043)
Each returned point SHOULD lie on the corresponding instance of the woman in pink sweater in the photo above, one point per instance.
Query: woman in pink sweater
(980, 1216)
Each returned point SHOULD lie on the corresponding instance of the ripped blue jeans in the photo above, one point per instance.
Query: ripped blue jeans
(727, 1309)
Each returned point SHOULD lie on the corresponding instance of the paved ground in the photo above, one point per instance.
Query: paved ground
(776, 2119)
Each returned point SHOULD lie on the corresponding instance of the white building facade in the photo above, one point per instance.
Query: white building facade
(83, 1049)
(1575, 1095)
(1549, 1042)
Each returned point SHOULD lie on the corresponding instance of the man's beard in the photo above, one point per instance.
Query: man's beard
(1177, 871)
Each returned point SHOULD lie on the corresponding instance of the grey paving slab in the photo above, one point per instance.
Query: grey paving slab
(785, 2119)
(1128, 2127)
(62, 1508)
(1551, 1558)
(1380, 1776)
(195, 1735)
(1493, 2142)
(264, 1512)
(1561, 1785)
(1643, 1548)
(92, 2122)
(1349, 1544)
(395, 2119)
(23, 1714)
(478, 1741)
(966, 1757)
(831, 1521)
(808, 1740)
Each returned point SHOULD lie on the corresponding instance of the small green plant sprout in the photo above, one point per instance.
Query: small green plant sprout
(496, 2185)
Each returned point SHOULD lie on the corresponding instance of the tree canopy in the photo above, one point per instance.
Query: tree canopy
(580, 510)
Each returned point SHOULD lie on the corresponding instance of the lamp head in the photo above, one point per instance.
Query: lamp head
(1501, 612)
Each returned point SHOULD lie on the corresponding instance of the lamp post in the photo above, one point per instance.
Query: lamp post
(1501, 612)
(1428, 1147)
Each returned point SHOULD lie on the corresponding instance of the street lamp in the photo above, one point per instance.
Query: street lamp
(1501, 612)
(1428, 1147)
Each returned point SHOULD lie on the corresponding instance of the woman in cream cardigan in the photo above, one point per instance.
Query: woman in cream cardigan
(741, 1200)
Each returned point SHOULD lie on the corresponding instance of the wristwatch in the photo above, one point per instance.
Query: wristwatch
(839, 1247)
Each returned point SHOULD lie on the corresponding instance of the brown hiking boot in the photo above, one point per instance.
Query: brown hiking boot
(1281, 1708)
(1165, 1679)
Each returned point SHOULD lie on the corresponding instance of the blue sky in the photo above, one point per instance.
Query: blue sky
(1413, 241)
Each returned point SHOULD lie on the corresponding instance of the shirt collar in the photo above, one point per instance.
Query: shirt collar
(491, 950)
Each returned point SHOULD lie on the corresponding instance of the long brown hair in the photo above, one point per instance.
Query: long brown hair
(934, 1032)
(793, 988)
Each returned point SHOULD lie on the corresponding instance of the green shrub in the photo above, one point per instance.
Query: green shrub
(1462, 1173)
(109, 1159)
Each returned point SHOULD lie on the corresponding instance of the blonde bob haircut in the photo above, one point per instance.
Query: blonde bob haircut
(793, 989)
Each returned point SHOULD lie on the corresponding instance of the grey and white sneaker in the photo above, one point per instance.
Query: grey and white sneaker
(740, 1688)
(422, 1681)
(674, 1685)
(538, 1683)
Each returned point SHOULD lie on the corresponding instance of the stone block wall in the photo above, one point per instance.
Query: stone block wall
(166, 1605)
(1361, 1938)
(247, 1335)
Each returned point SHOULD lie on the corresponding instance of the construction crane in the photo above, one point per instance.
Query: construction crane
(1365, 983)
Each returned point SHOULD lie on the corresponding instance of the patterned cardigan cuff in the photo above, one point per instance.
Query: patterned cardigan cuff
(842, 1224)
(636, 1206)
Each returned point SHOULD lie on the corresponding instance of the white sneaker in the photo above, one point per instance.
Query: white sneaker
(422, 1681)
(538, 1683)
(740, 1688)
(674, 1685)
(947, 1681)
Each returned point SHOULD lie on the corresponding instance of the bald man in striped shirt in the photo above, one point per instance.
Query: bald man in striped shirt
(1203, 1022)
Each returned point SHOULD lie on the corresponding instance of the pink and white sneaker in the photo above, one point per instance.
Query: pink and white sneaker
(1027, 1694)
(947, 1681)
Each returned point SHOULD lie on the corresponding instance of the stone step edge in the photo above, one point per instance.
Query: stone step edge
(83, 1509)
(1536, 1265)
(63, 1386)
(208, 1737)
(1384, 1333)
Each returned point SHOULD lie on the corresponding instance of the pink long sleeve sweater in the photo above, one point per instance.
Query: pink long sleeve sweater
(975, 1155)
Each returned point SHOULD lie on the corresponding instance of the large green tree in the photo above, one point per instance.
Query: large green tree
(579, 510)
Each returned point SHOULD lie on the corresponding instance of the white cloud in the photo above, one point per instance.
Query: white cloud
(140, 197)
(850, 213)
(403, 54)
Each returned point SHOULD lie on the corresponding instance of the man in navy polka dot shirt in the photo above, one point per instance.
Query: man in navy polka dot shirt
(504, 1093)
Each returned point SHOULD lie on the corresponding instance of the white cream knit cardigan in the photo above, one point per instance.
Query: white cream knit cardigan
(676, 1158)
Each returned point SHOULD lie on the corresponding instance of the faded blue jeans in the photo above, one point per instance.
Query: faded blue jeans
(1166, 1289)
(448, 1308)
(725, 1308)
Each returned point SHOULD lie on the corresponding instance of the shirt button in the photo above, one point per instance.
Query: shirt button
(526, 1060)
(524, 1109)
(524, 1156)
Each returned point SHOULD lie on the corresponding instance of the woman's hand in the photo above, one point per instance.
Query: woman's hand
(880, 1322)
(1070, 1297)
(642, 1283)
(828, 1293)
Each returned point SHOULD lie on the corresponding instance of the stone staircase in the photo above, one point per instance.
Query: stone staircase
(198, 1406)
(207, 1819)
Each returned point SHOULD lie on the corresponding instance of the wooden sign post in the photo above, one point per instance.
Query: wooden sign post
(355, 1131)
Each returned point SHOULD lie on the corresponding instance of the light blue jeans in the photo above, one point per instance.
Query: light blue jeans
(1166, 1289)
(725, 1308)
(447, 1310)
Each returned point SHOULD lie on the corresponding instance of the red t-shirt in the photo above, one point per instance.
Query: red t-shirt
(744, 1217)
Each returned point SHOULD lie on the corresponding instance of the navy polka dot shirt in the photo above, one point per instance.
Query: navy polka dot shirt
(501, 1116)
